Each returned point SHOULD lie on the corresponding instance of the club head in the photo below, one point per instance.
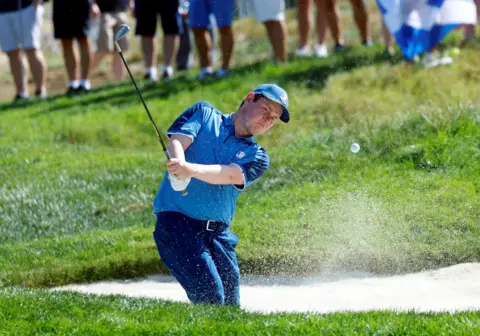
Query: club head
(121, 31)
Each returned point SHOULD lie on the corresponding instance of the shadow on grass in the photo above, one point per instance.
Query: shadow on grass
(314, 77)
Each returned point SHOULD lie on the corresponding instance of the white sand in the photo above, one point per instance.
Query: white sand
(450, 289)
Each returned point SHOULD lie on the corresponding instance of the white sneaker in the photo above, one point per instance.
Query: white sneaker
(321, 50)
(430, 60)
(445, 60)
(304, 52)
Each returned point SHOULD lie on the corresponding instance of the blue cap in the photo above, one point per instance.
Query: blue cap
(278, 95)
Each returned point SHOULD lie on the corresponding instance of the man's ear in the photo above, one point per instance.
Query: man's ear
(249, 97)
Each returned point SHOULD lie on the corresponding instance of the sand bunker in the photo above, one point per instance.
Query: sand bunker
(455, 288)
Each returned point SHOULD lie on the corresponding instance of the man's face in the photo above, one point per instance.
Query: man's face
(260, 115)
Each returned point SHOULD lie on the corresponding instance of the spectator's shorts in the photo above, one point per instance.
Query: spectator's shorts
(109, 22)
(21, 29)
(71, 18)
(146, 12)
(200, 11)
(271, 10)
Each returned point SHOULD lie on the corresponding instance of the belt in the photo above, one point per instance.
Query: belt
(207, 225)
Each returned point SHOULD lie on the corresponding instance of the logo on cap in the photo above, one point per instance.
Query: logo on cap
(284, 99)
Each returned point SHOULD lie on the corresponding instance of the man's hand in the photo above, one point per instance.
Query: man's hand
(37, 2)
(177, 184)
(181, 168)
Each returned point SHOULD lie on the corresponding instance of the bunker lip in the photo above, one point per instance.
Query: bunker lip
(450, 289)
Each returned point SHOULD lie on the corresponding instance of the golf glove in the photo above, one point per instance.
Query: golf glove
(178, 184)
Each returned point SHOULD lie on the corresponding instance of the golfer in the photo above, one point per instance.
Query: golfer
(213, 156)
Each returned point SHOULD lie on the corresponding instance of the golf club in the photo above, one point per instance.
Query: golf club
(121, 31)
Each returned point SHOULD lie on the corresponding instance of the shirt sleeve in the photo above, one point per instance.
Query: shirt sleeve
(254, 163)
(190, 122)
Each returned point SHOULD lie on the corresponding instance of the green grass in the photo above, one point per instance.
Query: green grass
(29, 312)
(79, 176)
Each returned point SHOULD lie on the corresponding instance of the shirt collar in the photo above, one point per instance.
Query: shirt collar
(228, 121)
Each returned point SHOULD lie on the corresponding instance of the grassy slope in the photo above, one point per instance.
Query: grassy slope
(80, 174)
(37, 312)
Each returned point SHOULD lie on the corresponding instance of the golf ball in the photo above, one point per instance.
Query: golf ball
(355, 147)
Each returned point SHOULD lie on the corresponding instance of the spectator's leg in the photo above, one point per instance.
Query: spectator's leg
(272, 14)
(277, 33)
(38, 69)
(333, 18)
(71, 63)
(168, 11)
(304, 23)
(223, 12)
(321, 20)
(226, 42)
(360, 14)
(17, 67)
(146, 16)
(85, 61)
(149, 50)
(32, 18)
(104, 40)
(387, 39)
(204, 45)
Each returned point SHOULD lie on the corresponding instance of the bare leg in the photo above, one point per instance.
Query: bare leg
(387, 39)
(170, 47)
(85, 57)
(333, 17)
(97, 59)
(149, 51)
(277, 32)
(321, 22)
(204, 46)
(17, 67)
(360, 15)
(304, 23)
(38, 69)
(70, 59)
(226, 35)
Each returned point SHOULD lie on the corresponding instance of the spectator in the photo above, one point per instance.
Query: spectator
(113, 13)
(469, 29)
(185, 55)
(20, 29)
(71, 22)
(199, 16)
(327, 12)
(146, 12)
(272, 15)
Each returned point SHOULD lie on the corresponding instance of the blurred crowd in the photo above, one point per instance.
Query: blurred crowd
(186, 25)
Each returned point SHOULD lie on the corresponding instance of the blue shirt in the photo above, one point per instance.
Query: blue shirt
(214, 142)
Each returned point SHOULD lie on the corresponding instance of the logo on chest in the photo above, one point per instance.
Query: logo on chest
(240, 155)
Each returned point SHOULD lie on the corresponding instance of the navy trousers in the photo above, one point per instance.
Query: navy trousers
(203, 262)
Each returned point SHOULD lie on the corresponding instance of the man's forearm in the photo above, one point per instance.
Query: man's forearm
(175, 150)
(218, 174)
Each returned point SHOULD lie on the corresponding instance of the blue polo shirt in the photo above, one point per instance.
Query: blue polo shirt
(214, 142)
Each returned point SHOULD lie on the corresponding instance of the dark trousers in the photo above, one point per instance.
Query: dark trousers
(203, 262)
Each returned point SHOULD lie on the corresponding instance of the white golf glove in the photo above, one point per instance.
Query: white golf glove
(178, 184)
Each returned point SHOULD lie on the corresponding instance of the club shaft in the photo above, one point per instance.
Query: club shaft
(145, 105)
(165, 150)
